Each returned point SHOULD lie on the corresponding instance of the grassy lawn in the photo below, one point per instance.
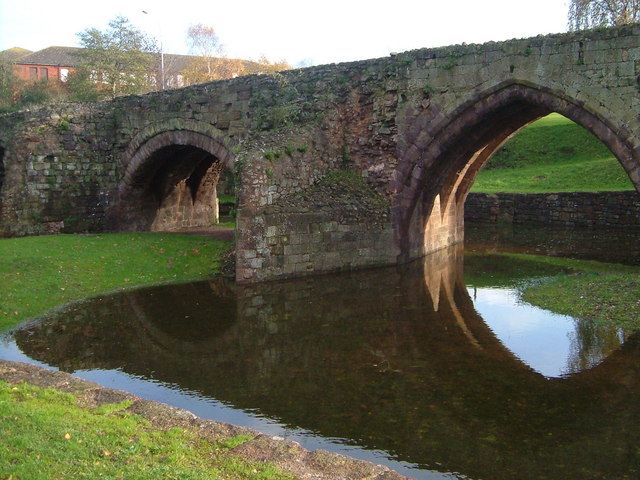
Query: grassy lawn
(47, 434)
(39, 273)
(226, 223)
(225, 198)
(552, 154)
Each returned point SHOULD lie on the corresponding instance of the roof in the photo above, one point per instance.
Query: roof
(59, 56)
(72, 57)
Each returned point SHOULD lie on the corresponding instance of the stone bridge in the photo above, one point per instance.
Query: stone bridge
(337, 166)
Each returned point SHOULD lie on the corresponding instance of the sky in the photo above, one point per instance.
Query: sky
(299, 32)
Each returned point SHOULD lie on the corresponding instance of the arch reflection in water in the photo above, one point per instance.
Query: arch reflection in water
(397, 360)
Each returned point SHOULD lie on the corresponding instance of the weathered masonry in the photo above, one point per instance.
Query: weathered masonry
(339, 166)
(564, 210)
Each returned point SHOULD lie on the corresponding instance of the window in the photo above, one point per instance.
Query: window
(64, 74)
(44, 73)
(33, 73)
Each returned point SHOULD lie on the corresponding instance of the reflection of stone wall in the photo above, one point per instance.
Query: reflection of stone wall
(573, 242)
(606, 209)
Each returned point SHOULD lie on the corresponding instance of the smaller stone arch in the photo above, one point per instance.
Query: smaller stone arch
(171, 172)
(178, 132)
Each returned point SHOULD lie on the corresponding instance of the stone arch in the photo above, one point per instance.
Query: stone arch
(436, 172)
(170, 178)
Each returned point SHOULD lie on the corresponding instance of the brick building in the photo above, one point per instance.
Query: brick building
(57, 63)
(52, 63)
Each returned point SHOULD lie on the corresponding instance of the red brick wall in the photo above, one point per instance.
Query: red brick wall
(22, 71)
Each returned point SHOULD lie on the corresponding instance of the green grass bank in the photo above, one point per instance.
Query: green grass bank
(48, 434)
(40, 273)
(552, 154)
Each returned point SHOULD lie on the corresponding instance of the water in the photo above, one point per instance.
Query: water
(434, 373)
(588, 244)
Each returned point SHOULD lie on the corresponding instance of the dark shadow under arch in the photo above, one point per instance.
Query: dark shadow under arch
(170, 182)
(452, 153)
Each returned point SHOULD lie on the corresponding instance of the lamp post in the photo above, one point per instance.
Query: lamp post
(146, 12)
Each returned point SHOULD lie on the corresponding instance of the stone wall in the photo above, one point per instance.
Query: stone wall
(606, 209)
(339, 223)
(59, 170)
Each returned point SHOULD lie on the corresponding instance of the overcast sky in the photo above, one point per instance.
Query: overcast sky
(315, 32)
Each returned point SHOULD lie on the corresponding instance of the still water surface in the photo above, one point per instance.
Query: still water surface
(436, 373)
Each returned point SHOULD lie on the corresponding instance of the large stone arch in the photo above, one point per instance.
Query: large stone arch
(434, 176)
(181, 159)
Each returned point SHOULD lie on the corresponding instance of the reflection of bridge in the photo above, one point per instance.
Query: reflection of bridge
(416, 126)
(397, 359)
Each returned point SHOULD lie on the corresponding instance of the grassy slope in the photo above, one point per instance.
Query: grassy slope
(39, 273)
(552, 154)
(224, 198)
(46, 434)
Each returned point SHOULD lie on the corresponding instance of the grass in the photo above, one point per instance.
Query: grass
(39, 273)
(225, 198)
(226, 224)
(552, 154)
(47, 434)
(603, 293)
(604, 298)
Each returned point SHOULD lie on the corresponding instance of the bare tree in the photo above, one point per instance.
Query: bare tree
(205, 43)
(584, 14)
(211, 63)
